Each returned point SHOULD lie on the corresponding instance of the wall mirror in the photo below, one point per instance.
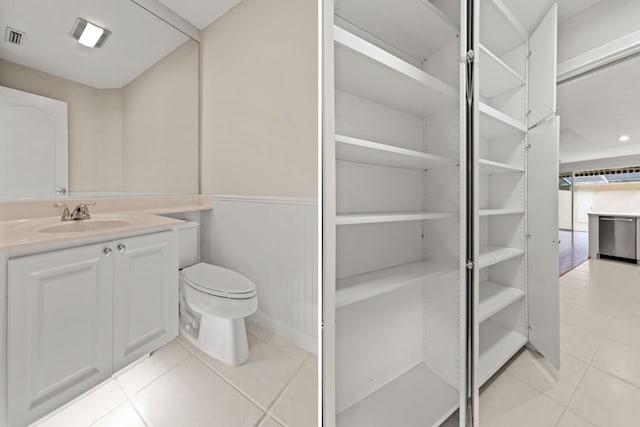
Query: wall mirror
(120, 118)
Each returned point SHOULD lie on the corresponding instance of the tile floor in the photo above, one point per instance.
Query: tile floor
(180, 386)
(599, 383)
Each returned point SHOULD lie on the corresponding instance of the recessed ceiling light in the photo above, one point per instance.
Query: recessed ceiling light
(624, 138)
(88, 34)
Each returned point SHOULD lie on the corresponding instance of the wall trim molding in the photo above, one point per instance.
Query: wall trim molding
(599, 57)
(307, 201)
(283, 330)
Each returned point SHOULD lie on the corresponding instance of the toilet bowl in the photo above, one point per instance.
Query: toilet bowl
(214, 302)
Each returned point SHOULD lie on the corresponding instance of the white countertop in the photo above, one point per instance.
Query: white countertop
(28, 233)
(632, 214)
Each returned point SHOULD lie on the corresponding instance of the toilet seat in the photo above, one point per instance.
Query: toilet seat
(218, 281)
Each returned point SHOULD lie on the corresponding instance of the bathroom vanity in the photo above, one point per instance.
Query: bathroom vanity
(81, 304)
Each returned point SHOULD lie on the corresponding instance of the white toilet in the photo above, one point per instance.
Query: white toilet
(213, 302)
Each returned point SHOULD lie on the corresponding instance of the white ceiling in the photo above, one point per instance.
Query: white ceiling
(138, 39)
(200, 12)
(596, 109)
(530, 12)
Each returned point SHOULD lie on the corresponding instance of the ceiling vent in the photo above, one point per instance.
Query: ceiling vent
(14, 36)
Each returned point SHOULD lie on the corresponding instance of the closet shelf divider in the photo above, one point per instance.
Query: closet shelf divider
(497, 76)
(365, 70)
(376, 217)
(494, 297)
(363, 151)
(495, 124)
(494, 212)
(489, 167)
(497, 345)
(492, 254)
(350, 290)
(417, 397)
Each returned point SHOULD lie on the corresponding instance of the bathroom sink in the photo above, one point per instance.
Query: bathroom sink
(84, 226)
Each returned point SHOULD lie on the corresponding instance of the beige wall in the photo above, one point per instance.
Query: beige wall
(160, 123)
(623, 197)
(94, 155)
(564, 209)
(259, 100)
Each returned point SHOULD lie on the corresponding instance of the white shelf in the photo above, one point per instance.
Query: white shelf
(489, 167)
(491, 254)
(493, 212)
(497, 345)
(496, 76)
(417, 28)
(368, 285)
(370, 218)
(501, 29)
(495, 124)
(418, 397)
(362, 151)
(494, 297)
(366, 71)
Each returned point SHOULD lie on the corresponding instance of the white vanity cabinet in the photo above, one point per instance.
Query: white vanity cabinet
(145, 296)
(59, 333)
(77, 315)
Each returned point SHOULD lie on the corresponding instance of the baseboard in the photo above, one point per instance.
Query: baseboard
(283, 330)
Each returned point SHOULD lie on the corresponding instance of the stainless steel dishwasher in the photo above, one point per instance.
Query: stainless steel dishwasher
(617, 236)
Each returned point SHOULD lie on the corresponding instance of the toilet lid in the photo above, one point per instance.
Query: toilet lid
(218, 281)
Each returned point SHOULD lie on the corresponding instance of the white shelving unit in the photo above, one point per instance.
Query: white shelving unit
(489, 167)
(495, 297)
(492, 254)
(497, 345)
(492, 212)
(374, 153)
(515, 244)
(395, 153)
(368, 285)
(395, 206)
(503, 77)
(370, 218)
(417, 397)
(494, 124)
(365, 70)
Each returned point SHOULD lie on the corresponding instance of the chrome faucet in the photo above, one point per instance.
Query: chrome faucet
(80, 212)
(66, 215)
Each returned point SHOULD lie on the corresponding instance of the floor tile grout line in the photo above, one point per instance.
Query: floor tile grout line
(245, 395)
(286, 386)
(575, 390)
(564, 410)
(229, 383)
(135, 408)
(234, 387)
(154, 380)
(615, 377)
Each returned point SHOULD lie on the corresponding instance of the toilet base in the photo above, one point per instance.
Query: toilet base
(221, 338)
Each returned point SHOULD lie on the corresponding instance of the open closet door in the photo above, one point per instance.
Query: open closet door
(542, 245)
(543, 68)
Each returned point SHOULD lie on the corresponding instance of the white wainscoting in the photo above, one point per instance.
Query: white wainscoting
(274, 242)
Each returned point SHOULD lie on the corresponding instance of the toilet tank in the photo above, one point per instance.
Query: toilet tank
(188, 244)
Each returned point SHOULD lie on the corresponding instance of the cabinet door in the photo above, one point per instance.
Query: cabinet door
(543, 68)
(59, 328)
(145, 295)
(542, 245)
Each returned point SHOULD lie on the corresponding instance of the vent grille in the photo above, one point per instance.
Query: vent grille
(14, 36)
